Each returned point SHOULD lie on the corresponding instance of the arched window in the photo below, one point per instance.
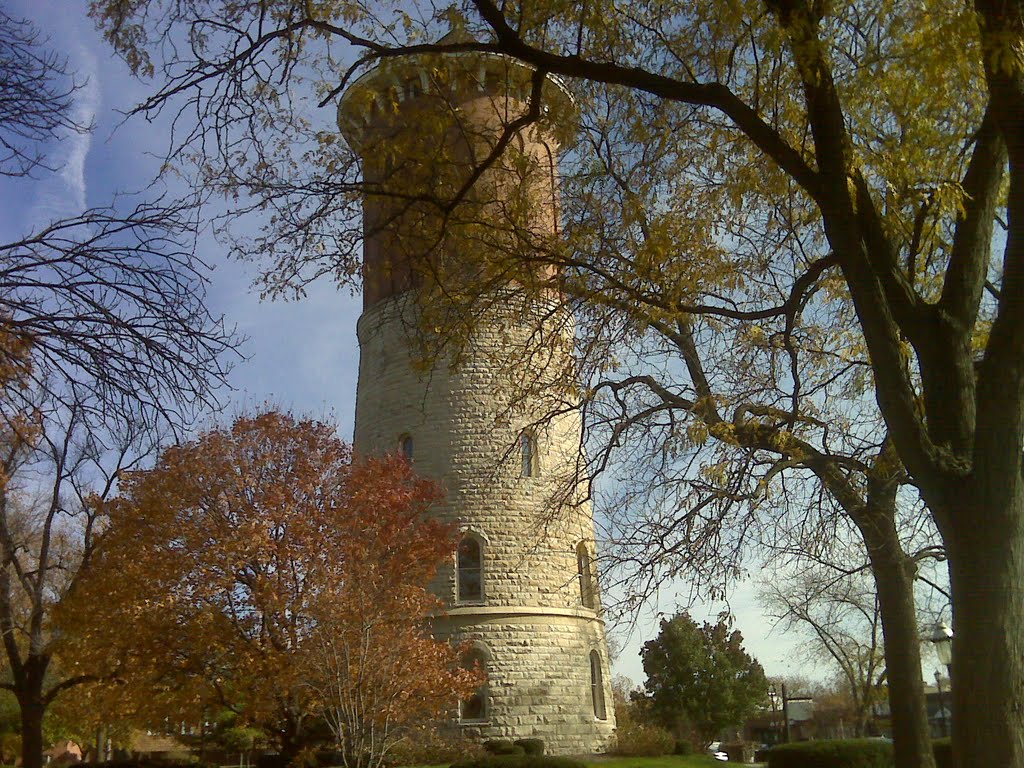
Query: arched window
(597, 686)
(528, 454)
(469, 570)
(586, 576)
(405, 446)
(473, 709)
(412, 89)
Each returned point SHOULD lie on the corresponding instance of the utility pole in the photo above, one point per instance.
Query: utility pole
(785, 716)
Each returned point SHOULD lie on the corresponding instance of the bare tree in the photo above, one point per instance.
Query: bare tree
(840, 611)
(105, 344)
(36, 97)
(112, 304)
(112, 300)
(57, 467)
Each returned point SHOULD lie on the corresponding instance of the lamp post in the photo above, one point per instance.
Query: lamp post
(942, 706)
(942, 638)
(775, 699)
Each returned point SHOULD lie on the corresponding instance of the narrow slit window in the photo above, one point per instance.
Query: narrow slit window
(473, 709)
(586, 574)
(528, 454)
(597, 686)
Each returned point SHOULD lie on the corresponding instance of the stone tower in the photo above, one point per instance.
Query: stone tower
(520, 588)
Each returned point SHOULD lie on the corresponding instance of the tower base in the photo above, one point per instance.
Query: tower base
(541, 678)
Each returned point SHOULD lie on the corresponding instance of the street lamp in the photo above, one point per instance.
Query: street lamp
(942, 637)
(774, 698)
(777, 695)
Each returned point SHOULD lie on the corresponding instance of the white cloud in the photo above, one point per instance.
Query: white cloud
(65, 193)
(76, 145)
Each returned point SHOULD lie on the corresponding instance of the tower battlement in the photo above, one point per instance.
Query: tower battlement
(451, 145)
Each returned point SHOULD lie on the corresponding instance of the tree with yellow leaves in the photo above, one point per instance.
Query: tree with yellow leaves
(816, 207)
(260, 569)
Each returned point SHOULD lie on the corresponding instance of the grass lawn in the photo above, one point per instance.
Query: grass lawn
(666, 761)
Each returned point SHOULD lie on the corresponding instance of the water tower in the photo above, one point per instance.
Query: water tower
(521, 586)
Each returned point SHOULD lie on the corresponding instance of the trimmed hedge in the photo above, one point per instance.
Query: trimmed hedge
(503, 747)
(840, 753)
(518, 761)
(848, 753)
(531, 746)
(943, 751)
(271, 760)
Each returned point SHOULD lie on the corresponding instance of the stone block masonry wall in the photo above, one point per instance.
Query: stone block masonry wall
(538, 679)
(464, 422)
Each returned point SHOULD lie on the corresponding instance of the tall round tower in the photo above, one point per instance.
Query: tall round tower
(521, 587)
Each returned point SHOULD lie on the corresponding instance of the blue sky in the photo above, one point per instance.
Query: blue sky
(301, 355)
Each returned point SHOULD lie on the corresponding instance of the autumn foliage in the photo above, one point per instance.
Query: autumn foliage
(240, 570)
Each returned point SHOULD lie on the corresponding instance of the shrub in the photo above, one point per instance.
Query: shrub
(682, 747)
(431, 746)
(307, 757)
(531, 746)
(739, 751)
(518, 761)
(10, 747)
(325, 758)
(634, 740)
(271, 760)
(844, 753)
(503, 747)
(943, 750)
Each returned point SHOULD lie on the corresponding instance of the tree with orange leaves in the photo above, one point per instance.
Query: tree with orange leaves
(232, 565)
(371, 663)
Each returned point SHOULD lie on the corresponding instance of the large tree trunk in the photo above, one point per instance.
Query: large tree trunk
(32, 735)
(894, 574)
(32, 711)
(291, 735)
(986, 567)
(985, 539)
